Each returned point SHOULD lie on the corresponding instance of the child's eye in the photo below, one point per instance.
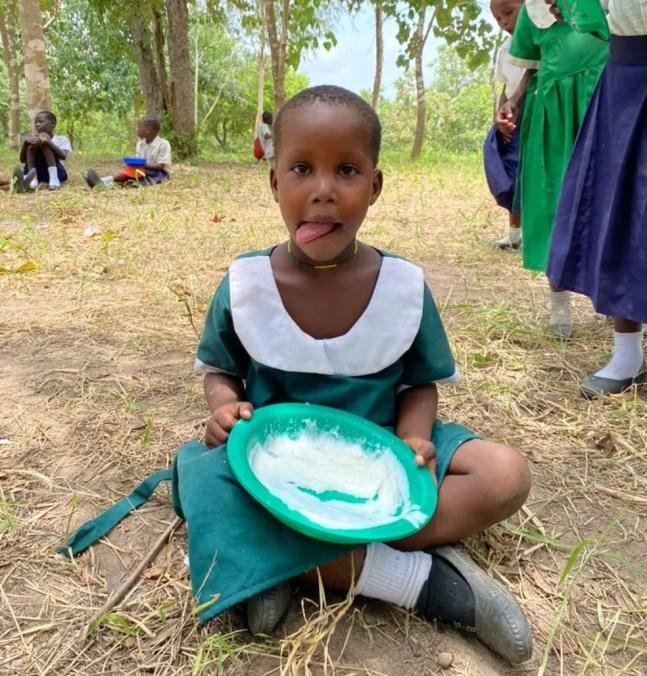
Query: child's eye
(300, 168)
(348, 170)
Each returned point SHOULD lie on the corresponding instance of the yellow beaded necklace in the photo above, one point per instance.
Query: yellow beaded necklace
(298, 261)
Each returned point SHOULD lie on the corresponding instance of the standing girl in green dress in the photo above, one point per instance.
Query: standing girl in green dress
(326, 319)
(569, 65)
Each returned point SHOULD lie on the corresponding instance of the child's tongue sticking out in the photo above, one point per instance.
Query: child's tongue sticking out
(308, 231)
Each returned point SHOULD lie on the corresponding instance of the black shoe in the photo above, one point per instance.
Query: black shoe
(594, 386)
(266, 610)
(461, 594)
(93, 179)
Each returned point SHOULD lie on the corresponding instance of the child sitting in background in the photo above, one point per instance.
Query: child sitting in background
(152, 148)
(501, 149)
(43, 153)
(326, 319)
(264, 136)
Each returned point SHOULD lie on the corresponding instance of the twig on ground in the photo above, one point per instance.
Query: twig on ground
(130, 581)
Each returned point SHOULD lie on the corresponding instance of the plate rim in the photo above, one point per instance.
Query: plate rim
(237, 457)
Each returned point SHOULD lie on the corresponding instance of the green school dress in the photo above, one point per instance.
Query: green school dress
(569, 66)
(398, 342)
(237, 548)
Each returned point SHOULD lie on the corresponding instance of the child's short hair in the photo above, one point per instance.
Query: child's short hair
(267, 116)
(49, 115)
(151, 121)
(334, 96)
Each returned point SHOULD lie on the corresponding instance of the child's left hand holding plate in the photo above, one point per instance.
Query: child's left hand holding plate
(425, 452)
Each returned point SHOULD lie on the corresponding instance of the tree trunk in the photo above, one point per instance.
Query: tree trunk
(182, 94)
(39, 94)
(278, 40)
(418, 49)
(8, 31)
(260, 89)
(161, 60)
(379, 54)
(148, 78)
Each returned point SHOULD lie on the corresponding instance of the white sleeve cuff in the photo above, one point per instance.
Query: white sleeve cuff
(200, 367)
(523, 63)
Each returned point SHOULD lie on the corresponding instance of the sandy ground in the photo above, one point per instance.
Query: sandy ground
(97, 338)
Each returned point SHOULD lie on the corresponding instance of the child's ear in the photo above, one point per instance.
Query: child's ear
(274, 184)
(378, 179)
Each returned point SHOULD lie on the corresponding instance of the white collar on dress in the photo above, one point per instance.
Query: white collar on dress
(383, 333)
(539, 13)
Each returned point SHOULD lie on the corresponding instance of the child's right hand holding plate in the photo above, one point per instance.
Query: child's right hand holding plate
(223, 418)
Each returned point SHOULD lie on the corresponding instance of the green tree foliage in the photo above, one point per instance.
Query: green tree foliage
(458, 22)
(227, 77)
(459, 108)
(90, 70)
(291, 28)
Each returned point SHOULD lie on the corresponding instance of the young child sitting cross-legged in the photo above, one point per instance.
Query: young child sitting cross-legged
(43, 153)
(150, 147)
(324, 318)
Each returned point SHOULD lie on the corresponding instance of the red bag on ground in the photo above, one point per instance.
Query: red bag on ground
(259, 153)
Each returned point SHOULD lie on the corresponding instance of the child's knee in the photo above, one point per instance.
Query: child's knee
(508, 477)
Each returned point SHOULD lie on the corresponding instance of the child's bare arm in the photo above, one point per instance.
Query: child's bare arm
(417, 408)
(502, 99)
(29, 140)
(508, 113)
(225, 401)
(58, 153)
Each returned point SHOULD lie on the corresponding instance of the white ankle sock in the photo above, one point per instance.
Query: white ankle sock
(627, 356)
(560, 308)
(33, 184)
(53, 176)
(514, 235)
(108, 181)
(393, 576)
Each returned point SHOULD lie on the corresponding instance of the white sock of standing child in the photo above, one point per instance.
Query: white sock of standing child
(511, 241)
(627, 357)
(561, 324)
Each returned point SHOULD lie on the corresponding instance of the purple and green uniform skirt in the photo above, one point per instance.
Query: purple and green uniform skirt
(599, 242)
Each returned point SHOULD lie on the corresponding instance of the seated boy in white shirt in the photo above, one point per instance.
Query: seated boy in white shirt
(43, 153)
(150, 147)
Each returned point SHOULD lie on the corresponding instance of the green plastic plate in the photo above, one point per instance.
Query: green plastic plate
(290, 419)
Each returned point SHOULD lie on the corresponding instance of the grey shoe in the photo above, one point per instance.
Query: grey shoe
(562, 330)
(27, 179)
(494, 615)
(93, 179)
(18, 183)
(593, 387)
(266, 610)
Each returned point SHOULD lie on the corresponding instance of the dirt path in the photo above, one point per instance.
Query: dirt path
(96, 392)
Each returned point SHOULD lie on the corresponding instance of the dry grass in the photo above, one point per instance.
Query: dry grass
(96, 392)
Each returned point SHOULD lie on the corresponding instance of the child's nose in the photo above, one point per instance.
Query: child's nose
(325, 188)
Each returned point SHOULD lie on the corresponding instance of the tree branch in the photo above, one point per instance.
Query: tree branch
(52, 18)
(431, 23)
